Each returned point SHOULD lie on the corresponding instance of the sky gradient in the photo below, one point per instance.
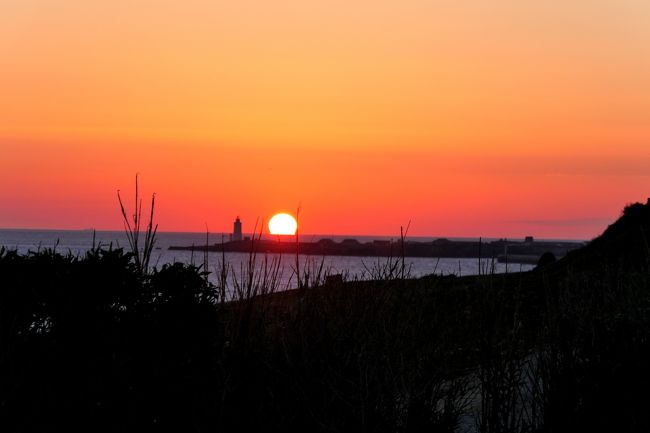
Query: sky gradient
(467, 118)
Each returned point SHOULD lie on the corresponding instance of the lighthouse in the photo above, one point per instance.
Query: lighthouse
(236, 232)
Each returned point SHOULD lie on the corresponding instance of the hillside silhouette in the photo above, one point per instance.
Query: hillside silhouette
(622, 250)
(624, 243)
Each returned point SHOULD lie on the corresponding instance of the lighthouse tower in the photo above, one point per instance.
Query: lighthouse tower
(236, 232)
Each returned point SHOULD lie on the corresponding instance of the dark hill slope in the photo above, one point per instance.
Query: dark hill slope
(624, 246)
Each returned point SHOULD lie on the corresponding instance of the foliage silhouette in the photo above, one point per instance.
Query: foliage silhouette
(93, 342)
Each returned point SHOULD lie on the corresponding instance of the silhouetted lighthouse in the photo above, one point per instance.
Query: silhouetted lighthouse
(236, 232)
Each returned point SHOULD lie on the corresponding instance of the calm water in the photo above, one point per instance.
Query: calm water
(79, 241)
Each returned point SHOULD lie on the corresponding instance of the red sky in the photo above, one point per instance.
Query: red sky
(482, 118)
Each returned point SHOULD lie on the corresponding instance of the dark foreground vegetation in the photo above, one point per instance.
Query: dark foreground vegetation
(101, 343)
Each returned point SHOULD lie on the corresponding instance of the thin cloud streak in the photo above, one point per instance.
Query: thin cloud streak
(570, 222)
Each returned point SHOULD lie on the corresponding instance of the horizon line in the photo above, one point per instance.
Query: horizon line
(307, 235)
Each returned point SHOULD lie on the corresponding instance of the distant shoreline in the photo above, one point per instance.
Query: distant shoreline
(503, 250)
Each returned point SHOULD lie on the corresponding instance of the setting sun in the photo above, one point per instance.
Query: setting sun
(283, 224)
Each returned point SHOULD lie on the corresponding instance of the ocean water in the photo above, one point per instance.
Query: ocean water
(79, 241)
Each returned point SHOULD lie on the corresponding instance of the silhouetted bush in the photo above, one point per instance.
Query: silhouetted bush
(546, 259)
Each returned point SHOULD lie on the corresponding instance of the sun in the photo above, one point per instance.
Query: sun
(282, 224)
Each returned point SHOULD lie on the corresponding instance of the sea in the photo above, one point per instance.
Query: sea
(77, 242)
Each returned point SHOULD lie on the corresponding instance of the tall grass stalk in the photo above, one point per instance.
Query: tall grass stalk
(132, 228)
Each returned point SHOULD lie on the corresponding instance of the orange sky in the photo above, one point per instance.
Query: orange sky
(469, 118)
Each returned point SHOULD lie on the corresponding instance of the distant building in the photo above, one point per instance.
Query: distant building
(236, 232)
(529, 240)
